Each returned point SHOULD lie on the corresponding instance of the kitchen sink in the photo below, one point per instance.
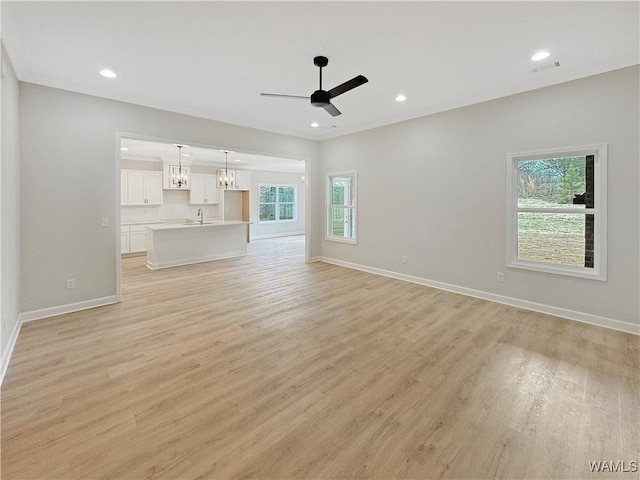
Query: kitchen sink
(198, 223)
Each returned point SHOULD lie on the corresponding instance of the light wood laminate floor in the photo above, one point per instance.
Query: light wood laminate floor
(267, 367)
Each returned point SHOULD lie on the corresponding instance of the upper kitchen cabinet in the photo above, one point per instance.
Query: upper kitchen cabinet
(243, 180)
(204, 189)
(141, 187)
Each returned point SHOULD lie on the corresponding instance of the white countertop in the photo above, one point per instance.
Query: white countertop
(196, 224)
(174, 221)
(142, 222)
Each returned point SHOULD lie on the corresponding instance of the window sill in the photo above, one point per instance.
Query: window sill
(579, 272)
(271, 222)
(352, 241)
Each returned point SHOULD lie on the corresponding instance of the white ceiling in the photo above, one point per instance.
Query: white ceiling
(137, 149)
(212, 59)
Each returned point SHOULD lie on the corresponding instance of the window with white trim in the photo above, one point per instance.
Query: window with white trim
(277, 203)
(341, 207)
(557, 211)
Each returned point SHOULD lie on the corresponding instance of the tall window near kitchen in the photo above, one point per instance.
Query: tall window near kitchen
(277, 203)
(341, 207)
(557, 211)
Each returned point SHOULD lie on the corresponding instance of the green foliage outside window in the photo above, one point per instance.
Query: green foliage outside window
(342, 222)
(276, 203)
(570, 184)
(550, 182)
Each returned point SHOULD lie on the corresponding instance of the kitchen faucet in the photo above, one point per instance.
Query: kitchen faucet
(201, 215)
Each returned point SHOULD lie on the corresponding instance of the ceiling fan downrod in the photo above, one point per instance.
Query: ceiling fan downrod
(320, 98)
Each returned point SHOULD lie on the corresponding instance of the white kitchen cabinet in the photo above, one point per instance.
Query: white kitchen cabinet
(153, 188)
(204, 189)
(142, 187)
(138, 238)
(135, 188)
(133, 238)
(243, 180)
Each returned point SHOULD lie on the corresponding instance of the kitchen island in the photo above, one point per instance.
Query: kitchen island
(171, 244)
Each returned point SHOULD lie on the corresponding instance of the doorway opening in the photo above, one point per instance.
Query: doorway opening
(216, 185)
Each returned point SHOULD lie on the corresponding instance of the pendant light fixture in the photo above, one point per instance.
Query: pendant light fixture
(227, 179)
(226, 170)
(180, 180)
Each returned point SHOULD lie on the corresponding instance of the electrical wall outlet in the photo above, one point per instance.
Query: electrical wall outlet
(71, 283)
(500, 277)
(105, 221)
(403, 259)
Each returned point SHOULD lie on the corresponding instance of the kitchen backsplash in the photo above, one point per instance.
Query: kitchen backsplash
(174, 206)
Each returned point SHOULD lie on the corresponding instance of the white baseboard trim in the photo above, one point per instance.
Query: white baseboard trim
(514, 302)
(191, 261)
(6, 355)
(69, 308)
(275, 235)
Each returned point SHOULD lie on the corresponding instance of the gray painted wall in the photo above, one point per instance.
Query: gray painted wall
(434, 189)
(69, 182)
(10, 209)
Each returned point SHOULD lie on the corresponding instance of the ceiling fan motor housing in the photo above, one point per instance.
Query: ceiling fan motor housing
(320, 98)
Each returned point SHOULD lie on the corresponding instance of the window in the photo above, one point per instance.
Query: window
(341, 207)
(277, 203)
(557, 211)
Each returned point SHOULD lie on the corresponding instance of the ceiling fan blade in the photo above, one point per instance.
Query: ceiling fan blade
(348, 85)
(284, 96)
(331, 108)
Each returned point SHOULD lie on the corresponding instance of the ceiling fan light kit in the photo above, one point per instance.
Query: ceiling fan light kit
(322, 98)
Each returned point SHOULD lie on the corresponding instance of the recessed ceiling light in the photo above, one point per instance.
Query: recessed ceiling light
(400, 98)
(315, 124)
(124, 149)
(237, 159)
(186, 154)
(105, 72)
(541, 55)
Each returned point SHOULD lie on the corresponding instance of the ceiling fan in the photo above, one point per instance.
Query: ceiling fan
(322, 98)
